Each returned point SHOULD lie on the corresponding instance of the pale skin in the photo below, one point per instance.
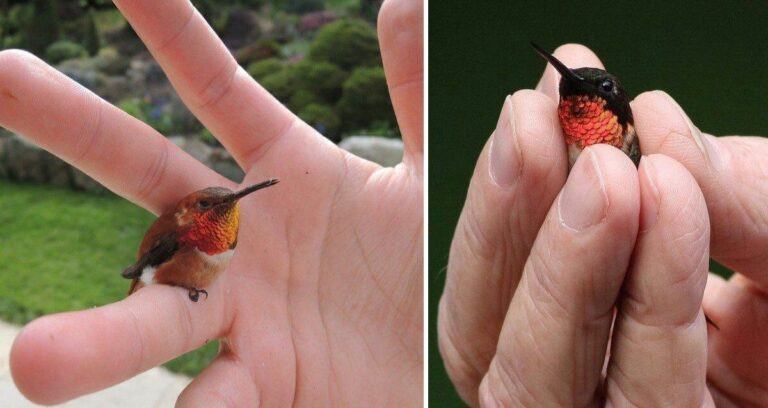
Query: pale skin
(538, 266)
(322, 302)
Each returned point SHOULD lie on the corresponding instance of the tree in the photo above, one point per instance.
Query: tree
(347, 43)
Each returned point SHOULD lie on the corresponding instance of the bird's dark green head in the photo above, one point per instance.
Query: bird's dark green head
(591, 82)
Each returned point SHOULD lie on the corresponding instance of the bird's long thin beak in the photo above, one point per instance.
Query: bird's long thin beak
(250, 189)
(559, 66)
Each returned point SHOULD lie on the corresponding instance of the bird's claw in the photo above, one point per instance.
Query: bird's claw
(194, 294)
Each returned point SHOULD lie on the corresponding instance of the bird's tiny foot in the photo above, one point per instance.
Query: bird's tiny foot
(194, 294)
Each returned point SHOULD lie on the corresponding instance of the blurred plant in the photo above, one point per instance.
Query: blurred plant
(323, 119)
(322, 79)
(260, 69)
(347, 43)
(134, 107)
(208, 138)
(365, 100)
(260, 50)
(279, 84)
(109, 61)
(301, 99)
(299, 6)
(43, 28)
(63, 50)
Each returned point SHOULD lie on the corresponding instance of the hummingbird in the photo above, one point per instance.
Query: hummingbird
(593, 108)
(191, 244)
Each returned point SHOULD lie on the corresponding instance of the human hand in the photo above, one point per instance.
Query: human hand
(528, 316)
(322, 302)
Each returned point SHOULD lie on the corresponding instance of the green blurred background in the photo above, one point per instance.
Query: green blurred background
(711, 57)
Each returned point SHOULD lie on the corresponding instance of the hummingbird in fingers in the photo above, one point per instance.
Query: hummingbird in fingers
(191, 244)
(593, 108)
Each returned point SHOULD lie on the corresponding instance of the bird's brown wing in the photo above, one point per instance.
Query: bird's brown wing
(162, 250)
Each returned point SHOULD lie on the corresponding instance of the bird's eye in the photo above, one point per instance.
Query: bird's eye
(203, 204)
(607, 86)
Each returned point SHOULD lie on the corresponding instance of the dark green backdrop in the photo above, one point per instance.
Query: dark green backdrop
(713, 59)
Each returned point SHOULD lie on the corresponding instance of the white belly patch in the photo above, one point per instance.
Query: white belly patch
(221, 259)
(148, 275)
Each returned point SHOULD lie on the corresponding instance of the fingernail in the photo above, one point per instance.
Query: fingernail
(649, 193)
(584, 201)
(706, 146)
(505, 155)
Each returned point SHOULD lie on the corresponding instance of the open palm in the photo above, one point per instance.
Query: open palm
(322, 303)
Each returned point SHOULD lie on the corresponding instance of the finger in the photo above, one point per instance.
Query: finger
(731, 172)
(62, 356)
(736, 367)
(242, 115)
(573, 56)
(226, 382)
(552, 345)
(401, 31)
(517, 176)
(659, 342)
(124, 154)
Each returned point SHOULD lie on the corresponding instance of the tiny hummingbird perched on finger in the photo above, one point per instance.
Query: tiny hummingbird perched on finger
(191, 244)
(593, 108)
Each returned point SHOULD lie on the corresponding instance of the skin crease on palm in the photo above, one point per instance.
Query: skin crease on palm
(534, 279)
(322, 303)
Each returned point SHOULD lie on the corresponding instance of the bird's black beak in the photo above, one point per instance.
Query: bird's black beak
(248, 190)
(559, 66)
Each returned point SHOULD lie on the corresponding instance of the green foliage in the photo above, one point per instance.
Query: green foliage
(109, 61)
(322, 118)
(64, 250)
(260, 50)
(300, 99)
(134, 107)
(300, 6)
(90, 36)
(347, 43)
(365, 100)
(320, 78)
(43, 28)
(161, 121)
(260, 69)
(208, 138)
(63, 50)
(279, 84)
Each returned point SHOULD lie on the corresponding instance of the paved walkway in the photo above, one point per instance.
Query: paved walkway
(155, 388)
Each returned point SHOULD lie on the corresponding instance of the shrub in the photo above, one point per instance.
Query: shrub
(134, 107)
(323, 79)
(322, 118)
(109, 61)
(347, 43)
(301, 99)
(260, 69)
(280, 84)
(365, 100)
(64, 50)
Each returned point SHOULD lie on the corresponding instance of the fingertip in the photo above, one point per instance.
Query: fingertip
(538, 133)
(622, 186)
(33, 361)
